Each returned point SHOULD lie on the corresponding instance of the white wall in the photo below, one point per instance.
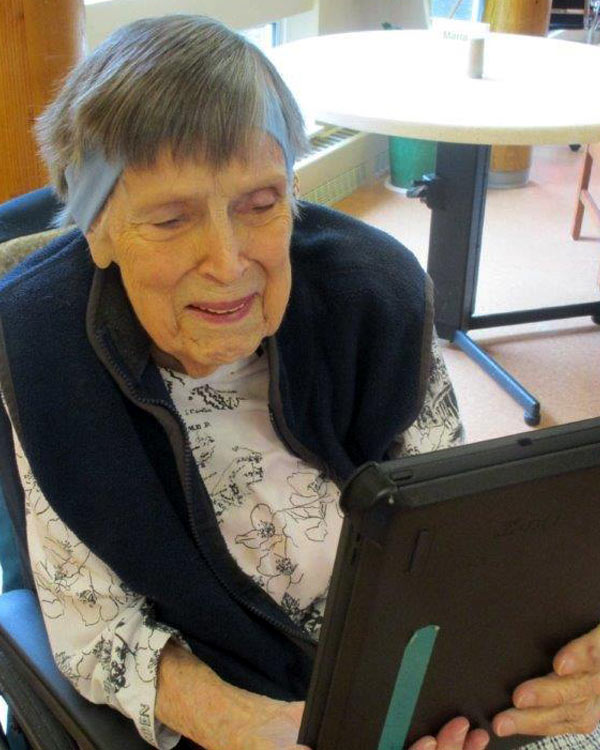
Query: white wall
(301, 26)
(104, 16)
(304, 17)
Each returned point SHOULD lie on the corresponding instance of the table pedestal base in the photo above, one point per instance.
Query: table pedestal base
(453, 264)
(504, 379)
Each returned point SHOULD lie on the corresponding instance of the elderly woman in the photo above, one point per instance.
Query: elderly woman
(191, 374)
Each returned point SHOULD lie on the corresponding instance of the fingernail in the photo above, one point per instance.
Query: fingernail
(526, 700)
(505, 727)
(429, 744)
(566, 665)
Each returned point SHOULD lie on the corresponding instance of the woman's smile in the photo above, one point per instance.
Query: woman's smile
(229, 311)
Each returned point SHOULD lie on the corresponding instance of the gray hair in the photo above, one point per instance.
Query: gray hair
(187, 82)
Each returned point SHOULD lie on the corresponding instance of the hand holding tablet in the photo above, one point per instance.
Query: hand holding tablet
(566, 701)
(465, 599)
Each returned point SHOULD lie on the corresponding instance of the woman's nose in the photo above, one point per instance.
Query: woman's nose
(222, 258)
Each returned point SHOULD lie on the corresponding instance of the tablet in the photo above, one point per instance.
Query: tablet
(458, 575)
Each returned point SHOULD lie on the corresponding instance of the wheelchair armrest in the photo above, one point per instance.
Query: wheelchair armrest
(24, 644)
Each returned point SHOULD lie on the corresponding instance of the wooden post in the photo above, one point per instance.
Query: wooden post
(509, 165)
(40, 40)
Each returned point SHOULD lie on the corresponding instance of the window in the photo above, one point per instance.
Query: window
(459, 9)
(264, 37)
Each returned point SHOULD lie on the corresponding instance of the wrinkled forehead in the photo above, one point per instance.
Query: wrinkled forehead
(192, 178)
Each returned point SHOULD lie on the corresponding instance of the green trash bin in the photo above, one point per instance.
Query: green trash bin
(410, 159)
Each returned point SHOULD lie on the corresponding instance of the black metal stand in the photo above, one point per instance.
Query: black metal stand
(458, 206)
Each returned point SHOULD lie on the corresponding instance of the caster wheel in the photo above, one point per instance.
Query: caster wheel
(596, 319)
(575, 146)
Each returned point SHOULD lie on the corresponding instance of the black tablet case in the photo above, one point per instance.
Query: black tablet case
(497, 543)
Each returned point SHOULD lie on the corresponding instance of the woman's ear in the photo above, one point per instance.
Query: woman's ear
(100, 243)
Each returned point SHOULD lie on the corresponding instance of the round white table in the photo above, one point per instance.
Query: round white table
(533, 90)
(414, 83)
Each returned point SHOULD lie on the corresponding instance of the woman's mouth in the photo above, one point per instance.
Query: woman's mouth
(229, 311)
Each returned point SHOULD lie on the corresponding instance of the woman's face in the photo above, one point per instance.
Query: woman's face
(203, 254)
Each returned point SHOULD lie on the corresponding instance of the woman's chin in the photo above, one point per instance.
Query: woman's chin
(208, 364)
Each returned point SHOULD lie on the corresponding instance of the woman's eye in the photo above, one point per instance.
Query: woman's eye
(262, 207)
(168, 223)
(258, 203)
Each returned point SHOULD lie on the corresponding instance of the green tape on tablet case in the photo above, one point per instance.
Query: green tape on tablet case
(411, 674)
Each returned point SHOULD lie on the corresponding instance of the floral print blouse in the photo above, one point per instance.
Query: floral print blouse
(279, 517)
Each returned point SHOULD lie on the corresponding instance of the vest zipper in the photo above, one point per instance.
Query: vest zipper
(279, 424)
(294, 635)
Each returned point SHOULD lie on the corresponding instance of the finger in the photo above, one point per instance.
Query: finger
(424, 743)
(572, 718)
(580, 655)
(553, 690)
(452, 735)
(476, 740)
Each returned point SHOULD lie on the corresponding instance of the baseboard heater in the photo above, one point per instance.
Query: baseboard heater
(339, 162)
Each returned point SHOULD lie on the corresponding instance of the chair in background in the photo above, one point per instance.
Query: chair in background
(584, 197)
(44, 704)
(569, 14)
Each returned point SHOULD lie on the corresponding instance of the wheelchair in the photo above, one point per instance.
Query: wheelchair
(46, 713)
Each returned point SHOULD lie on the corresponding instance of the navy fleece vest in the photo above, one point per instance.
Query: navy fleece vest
(349, 369)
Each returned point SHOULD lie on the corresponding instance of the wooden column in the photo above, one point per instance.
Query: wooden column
(40, 40)
(515, 17)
